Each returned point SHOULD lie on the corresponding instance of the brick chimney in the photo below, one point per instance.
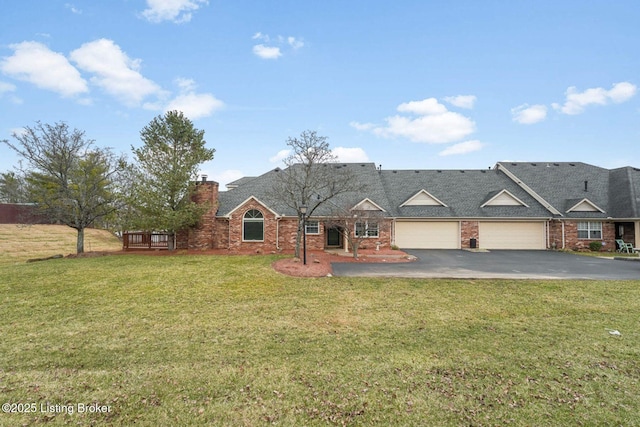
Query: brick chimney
(201, 236)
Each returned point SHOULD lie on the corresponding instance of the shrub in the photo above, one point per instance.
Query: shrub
(595, 246)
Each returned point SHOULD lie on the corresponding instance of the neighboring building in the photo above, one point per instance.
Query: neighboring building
(21, 213)
(511, 206)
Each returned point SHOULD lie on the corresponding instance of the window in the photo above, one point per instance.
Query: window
(366, 229)
(590, 230)
(253, 226)
(312, 227)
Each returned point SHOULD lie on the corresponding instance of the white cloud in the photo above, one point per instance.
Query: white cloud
(224, 177)
(362, 126)
(576, 102)
(426, 121)
(526, 114)
(73, 9)
(461, 101)
(266, 52)
(350, 155)
(425, 107)
(260, 36)
(272, 47)
(281, 155)
(6, 87)
(35, 63)
(177, 11)
(621, 92)
(114, 71)
(462, 148)
(193, 105)
(295, 43)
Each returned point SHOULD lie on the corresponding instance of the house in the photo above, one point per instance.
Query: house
(514, 205)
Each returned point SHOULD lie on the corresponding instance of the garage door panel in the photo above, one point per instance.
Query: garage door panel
(512, 235)
(428, 235)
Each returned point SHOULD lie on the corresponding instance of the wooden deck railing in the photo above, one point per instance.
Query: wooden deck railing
(141, 240)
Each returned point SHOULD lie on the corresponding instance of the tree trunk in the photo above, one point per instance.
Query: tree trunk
(355, 249)
(80, 241)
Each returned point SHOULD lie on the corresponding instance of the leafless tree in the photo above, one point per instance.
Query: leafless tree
(308, 179)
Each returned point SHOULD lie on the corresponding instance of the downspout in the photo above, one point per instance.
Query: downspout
(229, 233)
(278, 233)
(548, 237)
(563, 239)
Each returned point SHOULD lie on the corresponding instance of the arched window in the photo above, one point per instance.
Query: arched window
(253, 226)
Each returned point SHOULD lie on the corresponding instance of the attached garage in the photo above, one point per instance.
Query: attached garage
(512, 235)
(428, 234)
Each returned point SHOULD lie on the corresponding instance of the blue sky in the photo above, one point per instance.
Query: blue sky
(405, 84)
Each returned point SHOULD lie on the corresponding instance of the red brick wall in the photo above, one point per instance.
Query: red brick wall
(555, 234)
(469, 230)
(572, 241)
(201, 236)
(235, 230)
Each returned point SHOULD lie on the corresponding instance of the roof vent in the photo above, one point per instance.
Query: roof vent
(461, 171)
(483, 171)
(439, 171)
(417, 171)
(572, 164)
(395, 171)
(586, 186)
(534, 164)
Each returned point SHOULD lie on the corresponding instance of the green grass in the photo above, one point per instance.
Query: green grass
(204, 340)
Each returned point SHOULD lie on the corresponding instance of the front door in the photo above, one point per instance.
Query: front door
(334, 237)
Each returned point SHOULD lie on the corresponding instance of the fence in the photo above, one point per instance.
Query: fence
(142, 240)
(21, 213)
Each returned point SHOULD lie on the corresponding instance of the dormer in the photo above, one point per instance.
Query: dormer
(584, 205)
(423, 198)
(503, 198)
(367, 205)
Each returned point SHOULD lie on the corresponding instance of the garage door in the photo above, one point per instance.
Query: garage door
(427, 235)
(512, 235)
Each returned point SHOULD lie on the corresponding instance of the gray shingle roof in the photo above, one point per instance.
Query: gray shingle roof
(566, 183)
(624, 192)
(464, 192)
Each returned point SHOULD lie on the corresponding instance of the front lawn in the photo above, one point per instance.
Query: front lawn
(214, 340)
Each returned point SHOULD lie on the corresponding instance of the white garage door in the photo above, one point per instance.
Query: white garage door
(512, 235)
(427, 235)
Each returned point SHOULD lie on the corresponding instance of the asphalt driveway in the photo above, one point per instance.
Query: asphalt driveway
(496, 264)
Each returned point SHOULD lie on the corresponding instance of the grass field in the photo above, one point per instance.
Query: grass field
(19, 243)
(213, 340)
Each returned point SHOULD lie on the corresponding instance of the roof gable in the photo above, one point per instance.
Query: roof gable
(247, 200)
(503, 198)
(423, 198)
(584, 205)
(367, 205)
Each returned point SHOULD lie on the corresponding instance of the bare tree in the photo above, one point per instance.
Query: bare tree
(307, 180)
(71, 180)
